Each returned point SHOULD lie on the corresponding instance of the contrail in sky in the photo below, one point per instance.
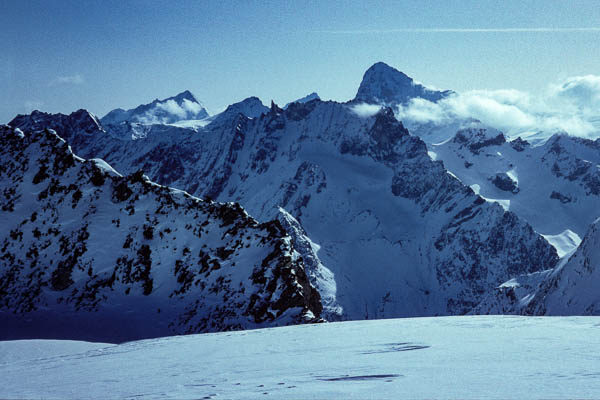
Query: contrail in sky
(457, 30)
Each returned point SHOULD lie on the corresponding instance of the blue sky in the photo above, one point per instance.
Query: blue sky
(59, 56)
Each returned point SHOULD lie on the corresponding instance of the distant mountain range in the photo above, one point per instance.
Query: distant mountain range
(367, 219)
(184, 106)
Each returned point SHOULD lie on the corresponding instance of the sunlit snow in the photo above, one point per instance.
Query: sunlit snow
(450, 357)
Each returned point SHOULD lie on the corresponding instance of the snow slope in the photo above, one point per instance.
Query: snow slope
(14, 351)
(450, 357)
(87, 253)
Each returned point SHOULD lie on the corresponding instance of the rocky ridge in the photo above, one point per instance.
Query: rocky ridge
(85, 248)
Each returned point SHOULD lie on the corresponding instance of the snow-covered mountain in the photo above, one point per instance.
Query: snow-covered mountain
(88, 253)
(554, 186)
(184, 106)
(398, 233)
(386, 225)
(382, 84)
(385, 85)
(569, 289)
(436, 115)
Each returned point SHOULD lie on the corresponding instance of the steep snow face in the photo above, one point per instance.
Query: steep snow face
(399, 234)
(555, 186)
(382, 84)
(483, 357)
(184, 106)
(87, 253)
(569, 289)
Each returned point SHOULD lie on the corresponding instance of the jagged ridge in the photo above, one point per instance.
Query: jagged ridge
(85, 249)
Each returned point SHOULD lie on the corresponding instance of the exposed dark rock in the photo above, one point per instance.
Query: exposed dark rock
(561, 197)
(504, 182)
(519, 144)
(477, 139)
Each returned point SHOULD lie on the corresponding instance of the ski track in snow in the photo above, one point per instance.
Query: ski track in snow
(445, 357)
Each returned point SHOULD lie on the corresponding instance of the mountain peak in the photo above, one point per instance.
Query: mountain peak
(384, 69)
(185, 95)
(305, 99)
(251, 107)
(275, 108)
(83, 113)
(382, 84)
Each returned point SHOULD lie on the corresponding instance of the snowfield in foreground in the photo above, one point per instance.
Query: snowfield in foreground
(446, 357)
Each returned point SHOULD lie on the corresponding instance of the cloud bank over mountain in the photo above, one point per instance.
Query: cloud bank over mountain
(181, 111)
(365, 110)
(572, 105)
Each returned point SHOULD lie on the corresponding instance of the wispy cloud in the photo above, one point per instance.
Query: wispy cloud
(67, 80)
(457, 30)
(156, 115)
